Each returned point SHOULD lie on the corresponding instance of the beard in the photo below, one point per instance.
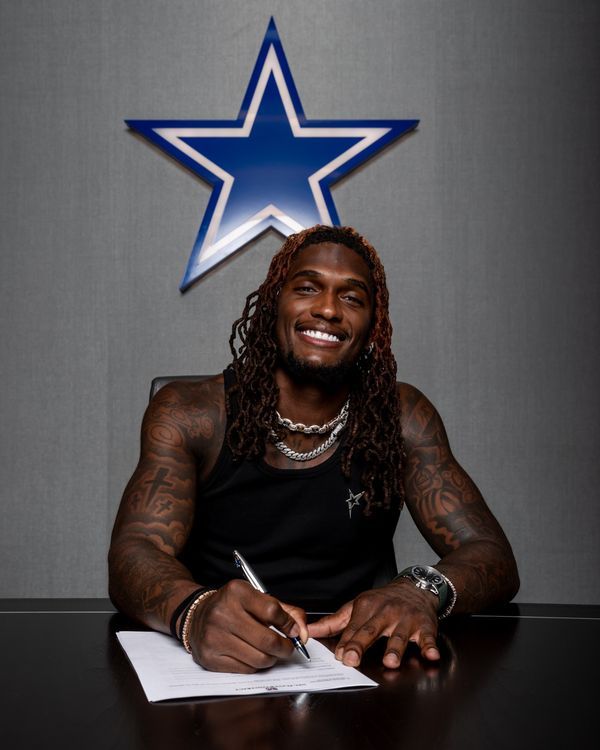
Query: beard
(330, 377)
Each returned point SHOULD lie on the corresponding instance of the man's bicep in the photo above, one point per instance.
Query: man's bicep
(158, 502)
(442, 498)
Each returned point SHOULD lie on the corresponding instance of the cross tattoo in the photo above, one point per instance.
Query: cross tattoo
(158, 482)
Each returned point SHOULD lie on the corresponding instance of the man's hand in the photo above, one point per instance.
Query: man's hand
(231, 629)
(399, 611)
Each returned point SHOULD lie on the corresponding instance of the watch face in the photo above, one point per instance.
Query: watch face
(428, 575)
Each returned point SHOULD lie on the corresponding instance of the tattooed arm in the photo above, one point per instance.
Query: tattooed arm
(451, 513)
(182, 425)
(182, 434)
(453, 517)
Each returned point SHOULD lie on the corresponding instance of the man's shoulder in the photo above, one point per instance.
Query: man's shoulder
(191, 395)
(409, 395)
(188, 415)
(418, 415)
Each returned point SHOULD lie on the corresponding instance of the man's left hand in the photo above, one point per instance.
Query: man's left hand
(399, 611)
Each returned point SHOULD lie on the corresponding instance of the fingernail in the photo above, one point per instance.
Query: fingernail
(433, 653)
(351, 659)
(339, 654)
(295, 631)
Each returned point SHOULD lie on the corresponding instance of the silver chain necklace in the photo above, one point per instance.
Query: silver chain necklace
(313, 429)
(308, 455)
(336, 425)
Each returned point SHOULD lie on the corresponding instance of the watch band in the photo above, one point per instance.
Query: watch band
(452, 598)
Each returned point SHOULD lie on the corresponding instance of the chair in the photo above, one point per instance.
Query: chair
(388, 568)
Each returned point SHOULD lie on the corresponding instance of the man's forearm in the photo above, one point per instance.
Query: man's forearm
(483, 572)
(146, 583)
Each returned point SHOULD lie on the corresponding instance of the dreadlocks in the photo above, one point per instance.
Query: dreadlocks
(373, 430)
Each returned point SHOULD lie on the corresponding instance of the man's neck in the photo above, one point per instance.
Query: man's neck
(307, 402)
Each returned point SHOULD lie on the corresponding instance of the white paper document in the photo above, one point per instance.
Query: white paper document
(167, 671)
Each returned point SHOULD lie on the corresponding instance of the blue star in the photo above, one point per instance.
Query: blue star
(269, 168)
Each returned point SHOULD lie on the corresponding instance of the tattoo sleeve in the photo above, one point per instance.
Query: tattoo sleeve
(451, 513)
(146, 581)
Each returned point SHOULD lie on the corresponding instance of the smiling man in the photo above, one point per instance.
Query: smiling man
(302, 455)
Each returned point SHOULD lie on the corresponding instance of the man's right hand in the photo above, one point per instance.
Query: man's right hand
(231, 629)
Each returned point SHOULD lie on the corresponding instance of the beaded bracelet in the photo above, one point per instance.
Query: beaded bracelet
(185, 630)
(179, 609)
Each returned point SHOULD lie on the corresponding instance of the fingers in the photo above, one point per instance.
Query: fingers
(396, 647)
(243, 657)
(428, 645)
(399, 640)
(357, 638)
(359, 634)
(233, 630)
(298, 627)
(401, 613)
(234, 654)
(331, 624)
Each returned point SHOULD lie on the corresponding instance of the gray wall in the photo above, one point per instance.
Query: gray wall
(486, 219)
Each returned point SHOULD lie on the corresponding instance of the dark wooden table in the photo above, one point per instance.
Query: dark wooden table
(522, 677)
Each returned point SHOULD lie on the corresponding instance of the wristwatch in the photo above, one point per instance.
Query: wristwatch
(429, 579)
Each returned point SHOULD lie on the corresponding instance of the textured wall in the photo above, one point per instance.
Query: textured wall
(485, 218)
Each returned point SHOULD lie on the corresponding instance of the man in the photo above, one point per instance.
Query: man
(301, 456)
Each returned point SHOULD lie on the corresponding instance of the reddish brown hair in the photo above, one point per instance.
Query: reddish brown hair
(373, 431)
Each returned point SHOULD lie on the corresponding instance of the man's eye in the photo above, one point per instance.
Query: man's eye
(353, 300)
(305, 288)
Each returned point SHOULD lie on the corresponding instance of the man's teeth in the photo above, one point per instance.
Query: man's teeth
(321, 335)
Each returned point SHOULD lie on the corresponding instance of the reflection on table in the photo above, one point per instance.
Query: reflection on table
(503, 681)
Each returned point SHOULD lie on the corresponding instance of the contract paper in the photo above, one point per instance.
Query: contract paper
(166, 671)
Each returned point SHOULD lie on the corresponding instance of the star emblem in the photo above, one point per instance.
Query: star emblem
(270, 168)
(353, 500)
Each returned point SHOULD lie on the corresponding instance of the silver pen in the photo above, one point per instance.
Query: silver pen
(254, 581)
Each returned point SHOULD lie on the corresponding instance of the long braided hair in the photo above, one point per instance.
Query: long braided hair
(373, 431)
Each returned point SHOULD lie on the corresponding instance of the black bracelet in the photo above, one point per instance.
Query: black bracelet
(180, 608)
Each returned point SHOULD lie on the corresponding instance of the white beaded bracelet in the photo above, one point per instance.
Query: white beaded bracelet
(188, 619)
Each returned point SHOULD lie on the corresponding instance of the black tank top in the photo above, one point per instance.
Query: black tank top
(302, 530)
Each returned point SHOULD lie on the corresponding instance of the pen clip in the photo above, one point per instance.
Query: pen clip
(249, 574)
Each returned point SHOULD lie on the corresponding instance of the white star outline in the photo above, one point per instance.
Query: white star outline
(352, 501)
(174, 136)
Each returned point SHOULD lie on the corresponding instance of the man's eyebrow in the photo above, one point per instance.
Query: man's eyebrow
(310, 273)
(306, 272)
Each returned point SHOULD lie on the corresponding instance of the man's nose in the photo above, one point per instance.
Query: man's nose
(326, 305)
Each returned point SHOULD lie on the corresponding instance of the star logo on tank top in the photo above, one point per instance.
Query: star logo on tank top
(352, 501)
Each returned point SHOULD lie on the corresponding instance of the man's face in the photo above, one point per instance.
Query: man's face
(324, 311)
